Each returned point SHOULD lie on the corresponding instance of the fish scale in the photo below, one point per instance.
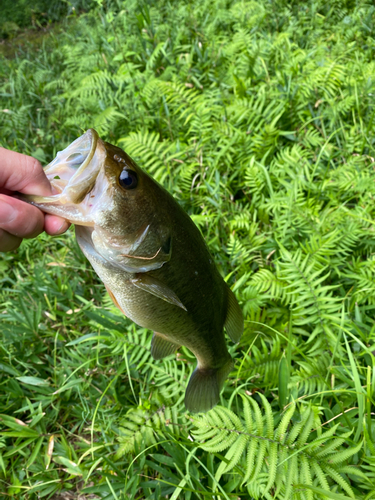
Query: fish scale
(150, 256)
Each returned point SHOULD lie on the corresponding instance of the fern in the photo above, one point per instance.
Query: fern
(259, 118)
(312, 375)
(142, 428)
(262, 364)
(156, 157)
(309, 298)
(259, 452)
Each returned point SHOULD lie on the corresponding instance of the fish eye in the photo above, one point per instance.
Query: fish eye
(128, 179)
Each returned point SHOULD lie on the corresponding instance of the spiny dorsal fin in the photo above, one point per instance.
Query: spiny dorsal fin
(160, 347)
(234, 320)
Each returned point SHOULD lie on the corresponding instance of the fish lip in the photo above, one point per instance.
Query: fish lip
(73, 175)
(94, 141)
(94, 138)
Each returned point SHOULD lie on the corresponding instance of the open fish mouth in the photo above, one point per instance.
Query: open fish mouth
(73, 174)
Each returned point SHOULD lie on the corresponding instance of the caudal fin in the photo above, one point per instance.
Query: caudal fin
(205, 384)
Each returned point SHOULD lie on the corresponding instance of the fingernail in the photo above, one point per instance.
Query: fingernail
(7, 213)
(63, 227)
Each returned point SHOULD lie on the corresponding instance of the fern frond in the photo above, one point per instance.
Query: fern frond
(309, 297)
(142, 428)
(255, 448)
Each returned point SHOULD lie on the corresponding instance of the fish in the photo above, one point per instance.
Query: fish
(150, 256)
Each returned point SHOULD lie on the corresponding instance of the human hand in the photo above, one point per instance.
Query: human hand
(19, 220)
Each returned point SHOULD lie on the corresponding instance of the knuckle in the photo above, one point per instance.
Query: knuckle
(29, 222)
(33, 167)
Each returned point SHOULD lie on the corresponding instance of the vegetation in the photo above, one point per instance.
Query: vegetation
(259, 117)
(18, 14)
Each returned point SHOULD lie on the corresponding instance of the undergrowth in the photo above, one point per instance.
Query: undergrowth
(259, 118)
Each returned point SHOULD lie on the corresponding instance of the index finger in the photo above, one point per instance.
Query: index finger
(22, 173)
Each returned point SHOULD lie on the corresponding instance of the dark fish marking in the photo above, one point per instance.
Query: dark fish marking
(166, 246)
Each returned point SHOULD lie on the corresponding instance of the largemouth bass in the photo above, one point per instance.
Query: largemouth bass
(150, 256)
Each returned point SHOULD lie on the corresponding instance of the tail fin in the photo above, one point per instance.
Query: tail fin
(205, 384)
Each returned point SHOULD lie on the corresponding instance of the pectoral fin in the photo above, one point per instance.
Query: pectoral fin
(160, 347)
(155, 287)
(234, 319)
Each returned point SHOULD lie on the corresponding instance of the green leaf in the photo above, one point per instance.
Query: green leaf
(35, 451)
(26, 433)
(87, 337)
(359, 390)
(68, 385)
(71, 467)
(283, 382)
(9, 369)
(324, 493)
(33, 381)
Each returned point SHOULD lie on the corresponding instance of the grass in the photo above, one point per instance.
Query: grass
(259, 118)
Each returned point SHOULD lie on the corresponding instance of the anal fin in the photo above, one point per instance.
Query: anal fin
(234, 320)
(160, 347)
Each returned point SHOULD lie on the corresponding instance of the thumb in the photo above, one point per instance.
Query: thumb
(22, 173)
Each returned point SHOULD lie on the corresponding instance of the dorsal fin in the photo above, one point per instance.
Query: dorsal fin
(234, 320)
